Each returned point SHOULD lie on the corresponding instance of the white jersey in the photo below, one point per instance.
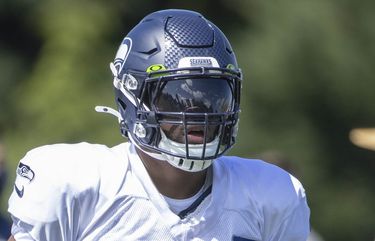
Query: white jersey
(89, 192)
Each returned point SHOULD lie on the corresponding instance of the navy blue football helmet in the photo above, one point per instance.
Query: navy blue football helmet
(177, 87)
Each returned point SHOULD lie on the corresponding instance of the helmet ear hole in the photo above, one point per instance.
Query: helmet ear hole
(123, 105)
(123, 124)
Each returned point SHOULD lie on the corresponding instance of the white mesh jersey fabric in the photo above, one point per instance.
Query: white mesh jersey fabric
(102, 193)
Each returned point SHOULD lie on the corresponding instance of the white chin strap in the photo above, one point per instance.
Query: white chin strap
(154, 155)
(195, 150)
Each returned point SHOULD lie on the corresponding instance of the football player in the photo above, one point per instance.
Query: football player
(177, 88)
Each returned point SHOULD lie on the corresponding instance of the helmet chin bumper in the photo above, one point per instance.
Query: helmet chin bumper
(188, 164)
(194, 150)
(184, 164)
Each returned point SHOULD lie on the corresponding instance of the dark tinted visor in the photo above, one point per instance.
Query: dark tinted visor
(195, 96)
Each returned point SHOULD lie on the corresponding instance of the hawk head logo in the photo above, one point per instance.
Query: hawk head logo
(25, 171)
(24, 176)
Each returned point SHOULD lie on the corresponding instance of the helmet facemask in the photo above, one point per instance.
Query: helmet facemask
(189, 115)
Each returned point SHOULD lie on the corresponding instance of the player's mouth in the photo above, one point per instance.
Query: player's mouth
(195, 136)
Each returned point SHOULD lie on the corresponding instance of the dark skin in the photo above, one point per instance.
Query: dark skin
(169, 180)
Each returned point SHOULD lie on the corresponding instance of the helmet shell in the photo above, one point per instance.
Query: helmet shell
(161, 41)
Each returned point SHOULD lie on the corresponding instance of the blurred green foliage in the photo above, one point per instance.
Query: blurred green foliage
(309, 79)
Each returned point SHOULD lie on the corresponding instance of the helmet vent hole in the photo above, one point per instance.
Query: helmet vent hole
(181, 162)
(191, 165)
(151, 51)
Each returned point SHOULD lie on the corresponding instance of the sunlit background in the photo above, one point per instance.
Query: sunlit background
(308, 80)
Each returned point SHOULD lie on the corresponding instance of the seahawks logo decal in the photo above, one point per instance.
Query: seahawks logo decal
(24, 176)
(122, 53)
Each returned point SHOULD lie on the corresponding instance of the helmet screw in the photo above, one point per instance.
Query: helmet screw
(139, 130)
(131, 82)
